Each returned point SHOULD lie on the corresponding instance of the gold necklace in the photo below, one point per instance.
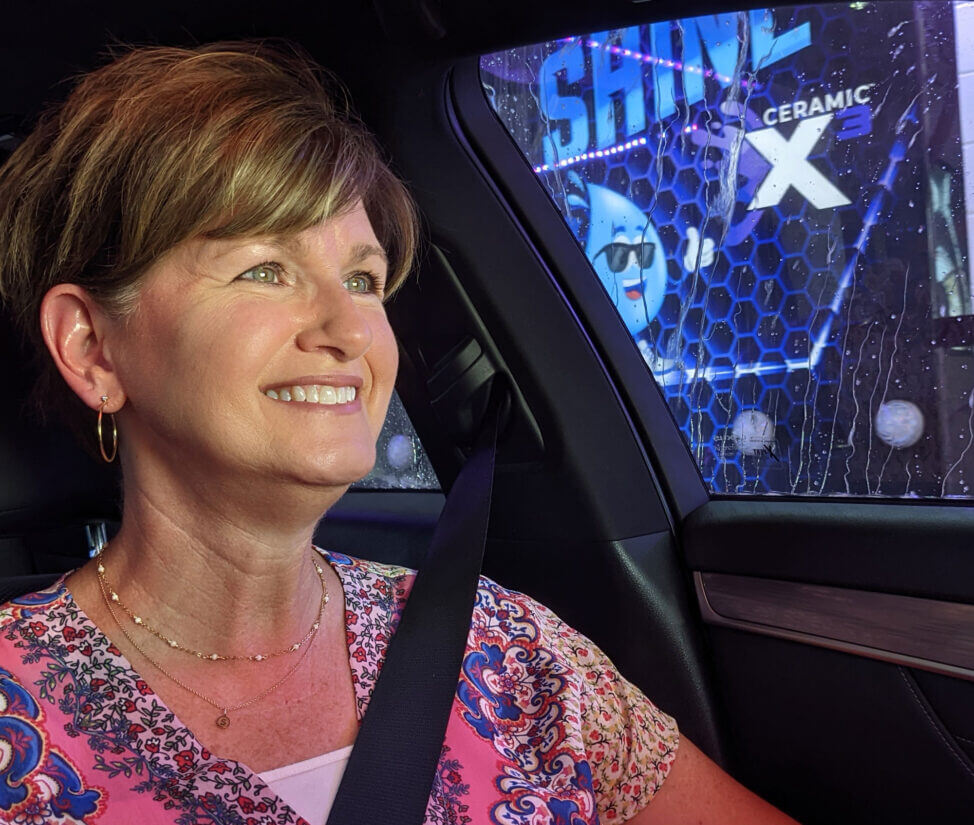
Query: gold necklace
(223, 720)
(216, 657)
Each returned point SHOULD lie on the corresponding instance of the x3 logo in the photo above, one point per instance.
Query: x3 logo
(790, 166)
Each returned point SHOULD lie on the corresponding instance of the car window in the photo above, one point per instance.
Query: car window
(400, 461)
(780, 205)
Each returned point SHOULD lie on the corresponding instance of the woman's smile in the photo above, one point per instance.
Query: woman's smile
(336, 395)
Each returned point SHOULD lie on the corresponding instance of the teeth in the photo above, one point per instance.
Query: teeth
(314, 394)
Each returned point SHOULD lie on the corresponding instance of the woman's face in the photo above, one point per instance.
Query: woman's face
(225, 331)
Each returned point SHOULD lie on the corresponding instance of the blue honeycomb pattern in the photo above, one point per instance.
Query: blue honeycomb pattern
(777, 346)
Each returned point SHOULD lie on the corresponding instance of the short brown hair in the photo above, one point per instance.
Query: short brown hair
(166, 144)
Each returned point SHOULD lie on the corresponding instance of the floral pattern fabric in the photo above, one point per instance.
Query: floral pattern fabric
(543, 731)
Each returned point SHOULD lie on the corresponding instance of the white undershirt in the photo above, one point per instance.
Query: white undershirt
(309, 787)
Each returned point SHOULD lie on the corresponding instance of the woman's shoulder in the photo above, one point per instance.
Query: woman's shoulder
(501, 615)
(528, 674)
(34, 625)
(378, 582)
(359, 568)
(37, 606)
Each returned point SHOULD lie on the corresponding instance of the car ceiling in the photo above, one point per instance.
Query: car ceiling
(47, 43)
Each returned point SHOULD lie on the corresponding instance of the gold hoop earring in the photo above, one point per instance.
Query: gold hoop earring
(101, 444)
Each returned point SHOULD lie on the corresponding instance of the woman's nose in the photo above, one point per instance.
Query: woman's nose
(337, 323)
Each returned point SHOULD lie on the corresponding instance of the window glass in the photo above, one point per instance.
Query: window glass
(779, 203)
(400, 462)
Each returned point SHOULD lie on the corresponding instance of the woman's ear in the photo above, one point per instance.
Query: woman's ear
(74, 327)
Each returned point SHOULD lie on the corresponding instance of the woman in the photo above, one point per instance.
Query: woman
(199, 243)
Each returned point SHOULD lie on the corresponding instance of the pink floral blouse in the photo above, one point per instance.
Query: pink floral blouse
(543, 730)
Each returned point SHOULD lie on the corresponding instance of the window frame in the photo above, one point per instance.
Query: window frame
(501, 161)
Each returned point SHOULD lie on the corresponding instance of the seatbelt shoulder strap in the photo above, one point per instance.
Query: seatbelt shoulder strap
(392, 767)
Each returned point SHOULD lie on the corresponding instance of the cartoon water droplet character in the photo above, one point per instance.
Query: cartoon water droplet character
(627, 255)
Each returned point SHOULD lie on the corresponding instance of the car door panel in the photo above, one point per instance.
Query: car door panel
(834, 737)
(912, 549)
(843, 642)
(926, 633)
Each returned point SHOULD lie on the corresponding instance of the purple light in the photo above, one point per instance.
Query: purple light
(597, 153)
(648, 58)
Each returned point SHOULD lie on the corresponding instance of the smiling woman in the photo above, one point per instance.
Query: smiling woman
(226, 143)
(199, 244)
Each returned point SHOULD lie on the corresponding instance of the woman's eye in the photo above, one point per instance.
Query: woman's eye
(263, 274)
(362, 282)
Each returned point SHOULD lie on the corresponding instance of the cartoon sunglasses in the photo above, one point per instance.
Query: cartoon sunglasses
(618, 255)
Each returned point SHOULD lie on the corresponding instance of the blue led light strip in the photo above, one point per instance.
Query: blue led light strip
(896, 156)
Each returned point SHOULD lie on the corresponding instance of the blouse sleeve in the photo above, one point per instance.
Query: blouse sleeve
(630, 743)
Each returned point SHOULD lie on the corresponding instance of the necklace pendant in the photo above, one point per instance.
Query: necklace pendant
(223, 721)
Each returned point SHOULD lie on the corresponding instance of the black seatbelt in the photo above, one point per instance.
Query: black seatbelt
(391, 770)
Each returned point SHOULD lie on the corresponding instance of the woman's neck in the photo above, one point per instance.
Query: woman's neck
(214, 578)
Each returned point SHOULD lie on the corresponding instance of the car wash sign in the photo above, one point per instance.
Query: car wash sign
(750, 189)
(604, 93)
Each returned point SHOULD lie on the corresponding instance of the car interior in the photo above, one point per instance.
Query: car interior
(817, 643)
